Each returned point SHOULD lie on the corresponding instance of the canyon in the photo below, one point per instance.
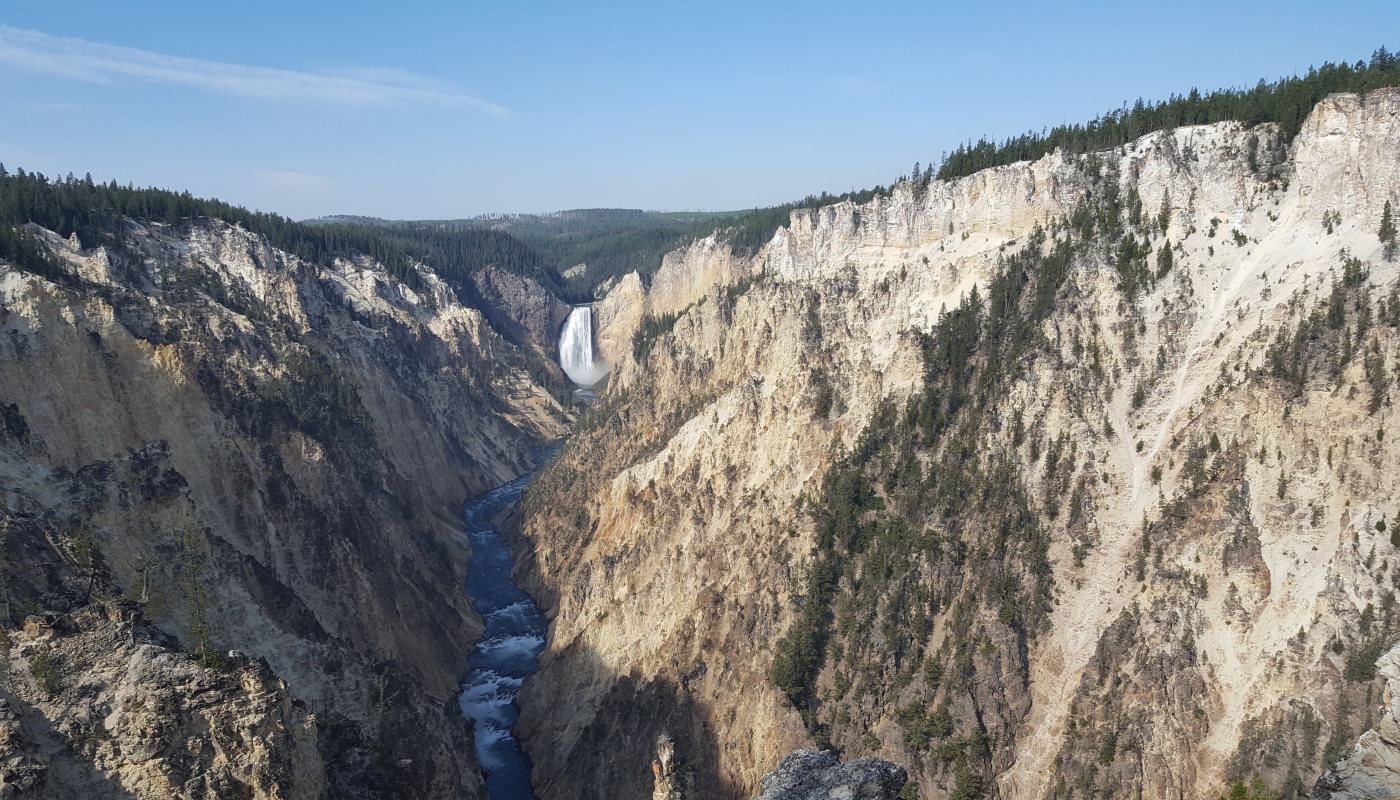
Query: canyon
(256, 455)
(1162, 575)
(1066, 478)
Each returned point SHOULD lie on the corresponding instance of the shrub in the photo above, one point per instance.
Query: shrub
(49, 672)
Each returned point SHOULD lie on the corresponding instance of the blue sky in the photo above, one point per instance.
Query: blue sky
(420, 109)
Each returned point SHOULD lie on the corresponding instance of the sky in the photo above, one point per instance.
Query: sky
(435, 110)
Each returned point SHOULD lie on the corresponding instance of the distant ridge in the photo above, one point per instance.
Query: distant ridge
(347, 219)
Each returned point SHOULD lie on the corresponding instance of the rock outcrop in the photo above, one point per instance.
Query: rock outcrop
(686, 276)
(808, 775)
(1190, 429)
(521, 309)
(1371, 771)
(97, 705)
(269, 456)
(618, 315)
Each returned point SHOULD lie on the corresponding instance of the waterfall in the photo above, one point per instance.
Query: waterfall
(576, 348)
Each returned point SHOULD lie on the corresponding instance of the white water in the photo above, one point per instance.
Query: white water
(513, 639)
(576, 349)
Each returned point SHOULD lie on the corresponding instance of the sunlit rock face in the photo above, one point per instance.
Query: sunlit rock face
(1199, 574)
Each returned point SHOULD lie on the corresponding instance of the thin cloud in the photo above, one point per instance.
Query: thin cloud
(103, 63)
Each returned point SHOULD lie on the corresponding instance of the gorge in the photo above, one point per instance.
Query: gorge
(512, 640)
(1014, 480)
(1066, 477)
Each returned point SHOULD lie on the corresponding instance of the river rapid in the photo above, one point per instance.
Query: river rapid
(514, 638)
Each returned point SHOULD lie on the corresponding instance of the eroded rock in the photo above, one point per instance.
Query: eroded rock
(811, 775)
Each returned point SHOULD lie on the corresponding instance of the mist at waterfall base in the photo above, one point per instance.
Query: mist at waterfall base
(514, 638)
(576, 349)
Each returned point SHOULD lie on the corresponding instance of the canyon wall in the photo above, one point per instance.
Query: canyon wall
(1113, 525)
(260, 455)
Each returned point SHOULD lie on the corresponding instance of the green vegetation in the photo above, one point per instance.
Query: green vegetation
(615, 241)
(49, 671)
(94, 212)
(1326, 340)
(1361, 659)
(1286, 102)
(918, 520)
(7, 616)
(1387, 232)
(19, 248)
(652, 329)
(196, 598)
(1342, 738)
(1256, 790)
(89, 560)
(748, 232)
(826, 394)
(317, 395)
(1164, 259)
(611, 241)
(923, 520)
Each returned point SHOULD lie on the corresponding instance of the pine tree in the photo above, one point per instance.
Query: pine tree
(1387, 232)
(88, 557)
(1164, 260)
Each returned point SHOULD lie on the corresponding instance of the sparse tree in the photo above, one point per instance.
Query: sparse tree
(5, 562)
(1387, 232)
(1164, 260)
(88, 556)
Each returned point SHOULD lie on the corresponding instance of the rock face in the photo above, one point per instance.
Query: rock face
(618, 315)
(686, 276)
(1372, 770)
(96, 705)
(807, 775)
(1121, 538)
(521, 309)
(267, 456)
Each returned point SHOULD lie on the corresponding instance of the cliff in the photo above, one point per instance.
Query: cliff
(98, 705)
(806, 775)
(1111, 524)
(521, 309)
(1372, 769)
(267, 456)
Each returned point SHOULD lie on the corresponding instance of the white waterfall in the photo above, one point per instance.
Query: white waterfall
(576, 349)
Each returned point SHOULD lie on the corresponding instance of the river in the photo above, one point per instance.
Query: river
(514, 638)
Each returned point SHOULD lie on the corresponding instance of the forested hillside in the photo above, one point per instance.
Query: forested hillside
(94, 212)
